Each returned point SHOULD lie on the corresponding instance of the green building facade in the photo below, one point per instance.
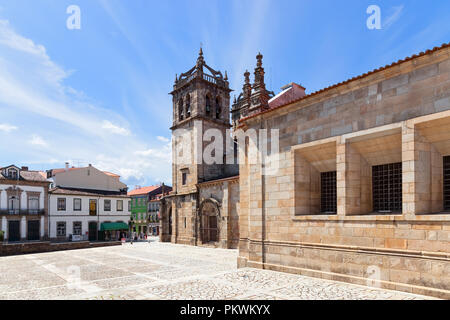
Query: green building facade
(139, 214)
(145, 208)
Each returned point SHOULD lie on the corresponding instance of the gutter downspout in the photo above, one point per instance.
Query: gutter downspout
(263, 205)
(197, 204)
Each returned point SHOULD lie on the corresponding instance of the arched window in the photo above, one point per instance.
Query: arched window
(13, 205)
(208, 105)
(188, 106)
(180, 109)
(218, 109)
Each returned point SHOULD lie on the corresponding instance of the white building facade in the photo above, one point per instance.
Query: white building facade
(82, 213)
(23, 205)
(87, 204)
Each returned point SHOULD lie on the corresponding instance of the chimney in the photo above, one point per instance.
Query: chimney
(66, 167)
(24, 168)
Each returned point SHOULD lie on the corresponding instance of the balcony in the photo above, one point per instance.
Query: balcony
(22, 212)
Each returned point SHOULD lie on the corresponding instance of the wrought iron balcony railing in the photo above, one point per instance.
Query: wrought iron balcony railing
(22, 212)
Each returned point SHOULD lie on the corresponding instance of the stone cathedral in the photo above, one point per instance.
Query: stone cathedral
(362, 190)
(203, 207)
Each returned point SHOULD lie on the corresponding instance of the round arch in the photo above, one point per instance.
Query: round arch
(209, 214)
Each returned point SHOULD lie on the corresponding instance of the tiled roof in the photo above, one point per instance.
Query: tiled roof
(54, 171)
(59, 170)
(415, 56)
(111, 174)
(27, 176)
(142, 191)
(86, 192)
(32, 176)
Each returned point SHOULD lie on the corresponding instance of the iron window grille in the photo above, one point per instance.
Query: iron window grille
(61, 229)
(387, 187)
(328, 202)
(77, 228)
(447, 183)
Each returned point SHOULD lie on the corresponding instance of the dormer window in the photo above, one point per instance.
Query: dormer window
(12, 174)
(208, 105)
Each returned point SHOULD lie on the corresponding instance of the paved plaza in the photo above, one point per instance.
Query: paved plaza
(162, 271)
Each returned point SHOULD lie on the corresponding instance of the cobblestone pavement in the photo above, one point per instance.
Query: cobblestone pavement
(162, 271)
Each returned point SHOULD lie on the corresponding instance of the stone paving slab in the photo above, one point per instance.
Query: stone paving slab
(163, 271)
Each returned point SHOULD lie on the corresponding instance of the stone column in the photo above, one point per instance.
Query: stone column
(340, 178)
(42, 226)
(42, 201)
(23, 201)
(422, 173)
(3, 200)
(23, 228)
(352, 181)
(303, 185)
(225, 235)
(4, 227)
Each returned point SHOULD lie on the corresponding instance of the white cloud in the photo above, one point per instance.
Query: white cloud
(107, 125)
(163, 139)
(393, 17)
(38, 141)
(7, 127)
(32, 85)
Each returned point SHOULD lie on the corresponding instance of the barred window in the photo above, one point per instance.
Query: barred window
(328, 192)
(61, 229)
(387, 187)
(77, 228)
(447, 183)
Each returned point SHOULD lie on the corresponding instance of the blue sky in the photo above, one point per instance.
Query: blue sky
(99, 95)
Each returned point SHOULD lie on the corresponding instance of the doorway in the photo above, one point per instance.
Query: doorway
(13, 230)
(93, 231)
(33, 230)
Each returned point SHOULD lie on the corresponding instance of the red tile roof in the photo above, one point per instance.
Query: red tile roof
(142, 191)
(415, 56)
(111, 174)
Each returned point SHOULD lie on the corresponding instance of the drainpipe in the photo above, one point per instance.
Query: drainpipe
(197, 201)
(263, 206)
(98, 217)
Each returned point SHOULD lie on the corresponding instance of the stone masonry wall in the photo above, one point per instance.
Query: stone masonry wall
(399, 114)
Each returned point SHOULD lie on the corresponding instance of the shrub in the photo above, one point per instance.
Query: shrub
(2, 236)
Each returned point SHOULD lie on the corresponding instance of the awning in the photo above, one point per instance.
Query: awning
(111, 226)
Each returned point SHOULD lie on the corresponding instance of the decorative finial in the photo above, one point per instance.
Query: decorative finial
(176, 77)
(259, 59)
(234, 100)
(226, 76)
(200, 60)
(247, 76)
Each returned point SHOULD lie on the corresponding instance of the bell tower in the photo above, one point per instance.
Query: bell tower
(201, 101)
